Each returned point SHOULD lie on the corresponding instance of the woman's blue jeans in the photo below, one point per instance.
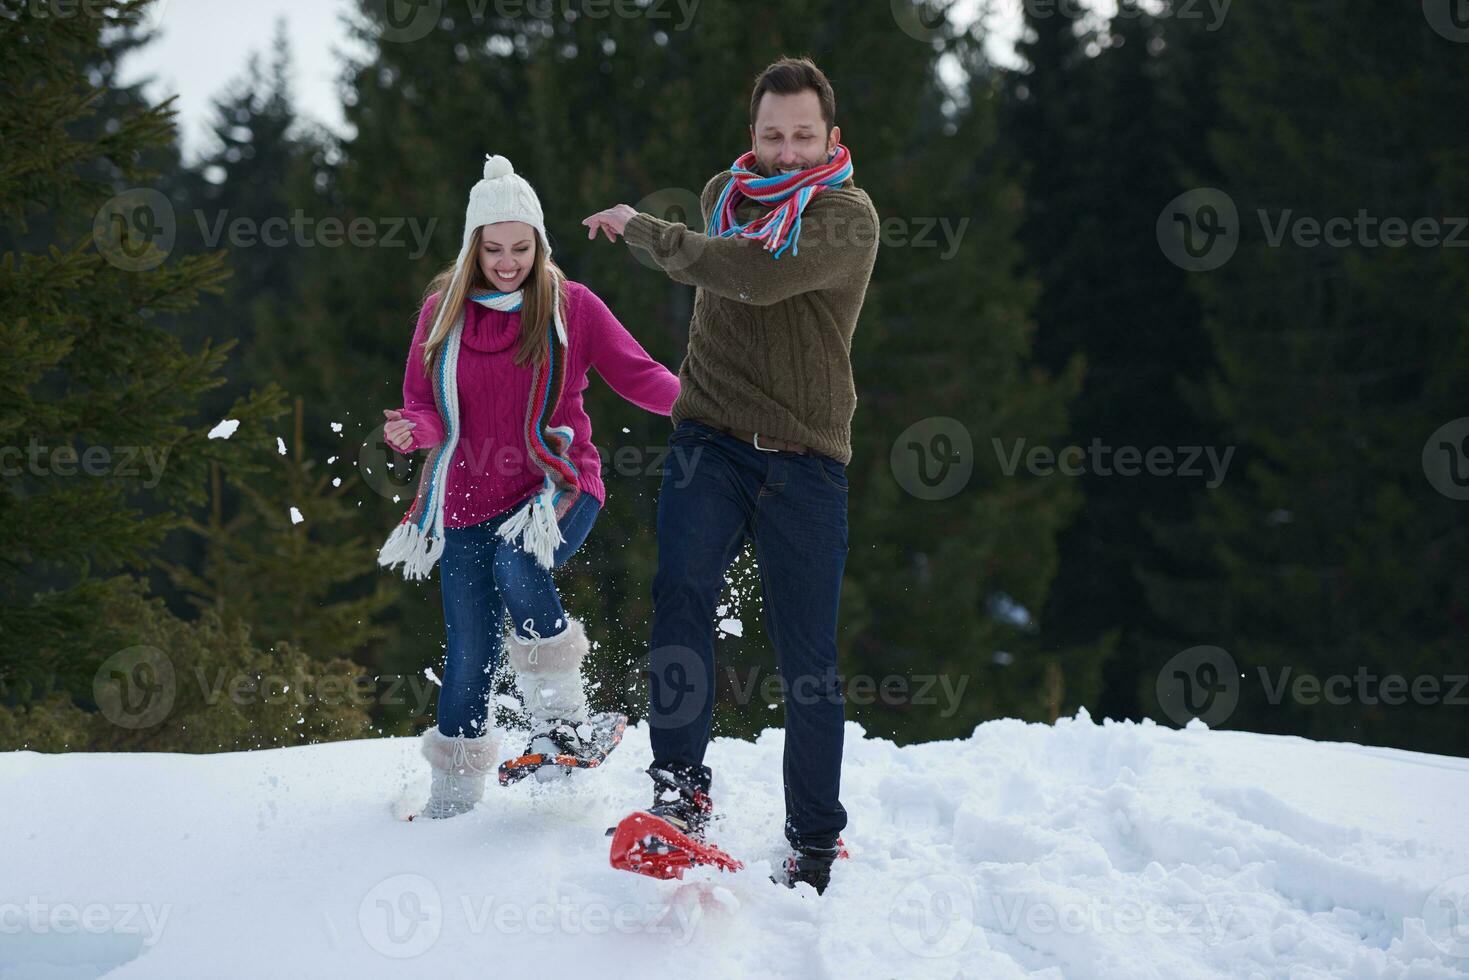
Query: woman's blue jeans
(482, 576)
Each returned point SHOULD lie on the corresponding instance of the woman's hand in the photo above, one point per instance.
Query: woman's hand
(398, 430)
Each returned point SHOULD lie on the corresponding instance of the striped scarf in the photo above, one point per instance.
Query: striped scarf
(418, 540)
(790, 193)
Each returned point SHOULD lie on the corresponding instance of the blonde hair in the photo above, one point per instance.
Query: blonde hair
(542, 288)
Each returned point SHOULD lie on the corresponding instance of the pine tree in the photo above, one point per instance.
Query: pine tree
(87, 369)
(199, 686)
(250, 176)
(1090, 114)
(286, 559)
(313, 584)
(1049, 115)
(103, 444)
(1330, 551)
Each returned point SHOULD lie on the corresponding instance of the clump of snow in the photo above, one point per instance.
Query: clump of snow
(296, 517)
(280, 445)
(224, 429)
(1076, 850)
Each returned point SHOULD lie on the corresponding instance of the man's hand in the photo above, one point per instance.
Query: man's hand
(609, 222)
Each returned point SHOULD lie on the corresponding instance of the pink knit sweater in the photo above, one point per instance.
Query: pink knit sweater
(491, 471)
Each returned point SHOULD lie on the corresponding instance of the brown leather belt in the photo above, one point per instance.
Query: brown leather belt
(765, 443)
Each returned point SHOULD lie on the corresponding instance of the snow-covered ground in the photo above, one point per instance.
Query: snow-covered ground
(1079, 850)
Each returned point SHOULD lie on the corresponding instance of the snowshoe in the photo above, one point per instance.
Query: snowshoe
(567, 748)
(649, 845)
(668, 838)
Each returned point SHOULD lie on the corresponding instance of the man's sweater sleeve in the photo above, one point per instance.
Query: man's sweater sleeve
(419, 404)
(621, 360)
(838, 237)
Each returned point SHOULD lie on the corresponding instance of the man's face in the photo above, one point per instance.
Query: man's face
(789, 133)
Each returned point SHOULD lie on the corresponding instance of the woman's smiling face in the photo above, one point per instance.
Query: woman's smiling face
(507, 250)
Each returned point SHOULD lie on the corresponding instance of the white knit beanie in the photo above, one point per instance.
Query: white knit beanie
(503, 195)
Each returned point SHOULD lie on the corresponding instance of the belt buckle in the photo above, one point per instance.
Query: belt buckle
(762, 448)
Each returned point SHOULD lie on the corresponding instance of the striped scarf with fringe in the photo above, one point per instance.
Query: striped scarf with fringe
(780, 227)
(418, 540)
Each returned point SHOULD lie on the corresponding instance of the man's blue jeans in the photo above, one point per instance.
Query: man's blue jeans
(718, 491)
(482, 575)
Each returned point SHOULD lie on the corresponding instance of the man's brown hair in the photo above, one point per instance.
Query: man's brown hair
(789, 76)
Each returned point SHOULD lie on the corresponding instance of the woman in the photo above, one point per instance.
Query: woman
(513, 483)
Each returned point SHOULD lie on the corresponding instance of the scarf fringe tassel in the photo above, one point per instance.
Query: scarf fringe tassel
(411, 547)
(536, 527)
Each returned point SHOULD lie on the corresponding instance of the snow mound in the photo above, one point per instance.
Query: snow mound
(1073, 850)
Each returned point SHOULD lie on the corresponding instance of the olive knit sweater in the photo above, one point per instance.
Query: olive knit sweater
(771, 339)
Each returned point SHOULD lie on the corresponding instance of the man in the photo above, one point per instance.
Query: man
(766, 393)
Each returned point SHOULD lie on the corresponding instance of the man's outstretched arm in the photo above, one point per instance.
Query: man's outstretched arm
(838, 236)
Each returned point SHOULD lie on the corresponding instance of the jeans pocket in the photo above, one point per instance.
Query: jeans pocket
(690, 431)
(833, 472)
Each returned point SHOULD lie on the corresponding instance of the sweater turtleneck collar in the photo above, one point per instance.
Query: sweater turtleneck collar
(490, 331)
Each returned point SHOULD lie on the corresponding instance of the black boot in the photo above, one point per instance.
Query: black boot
(681, 796)
(811, 865)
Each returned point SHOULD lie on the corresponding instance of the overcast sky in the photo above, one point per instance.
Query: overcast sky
(203, 46)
